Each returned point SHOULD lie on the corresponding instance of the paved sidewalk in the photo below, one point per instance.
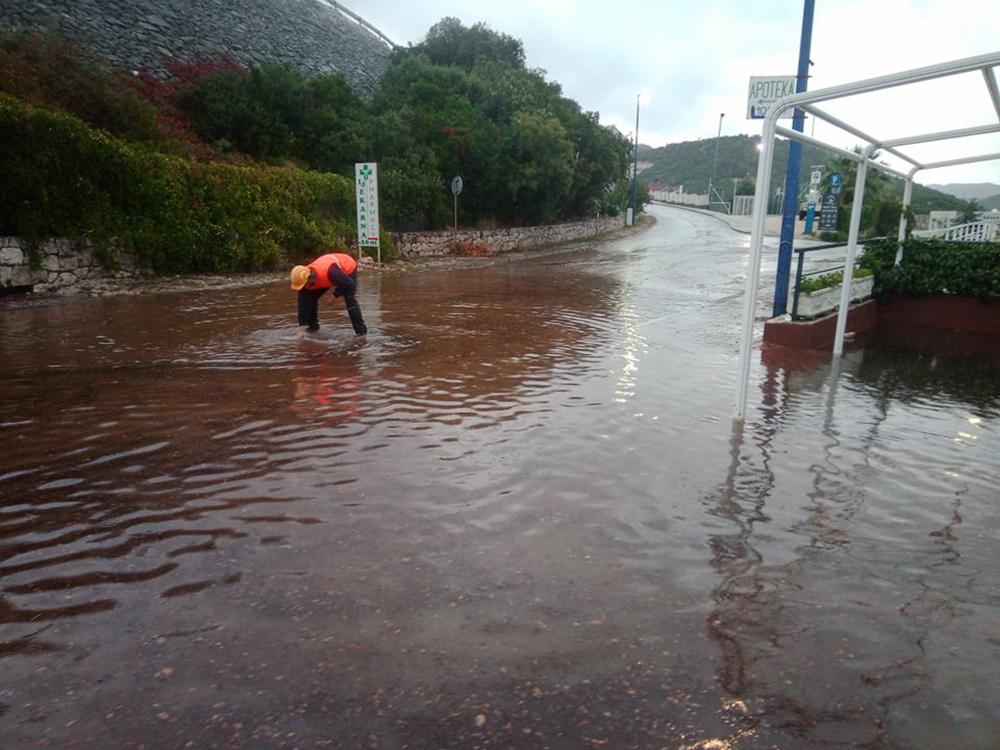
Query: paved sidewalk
(772, 223)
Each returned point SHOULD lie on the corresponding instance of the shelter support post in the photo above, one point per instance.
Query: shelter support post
(852, 251)
(991, 85)
(985, 63)
(764, 165)
(907, 198)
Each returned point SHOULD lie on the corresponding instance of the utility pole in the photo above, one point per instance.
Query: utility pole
(715, 160)
(635, 160)
(790, 209)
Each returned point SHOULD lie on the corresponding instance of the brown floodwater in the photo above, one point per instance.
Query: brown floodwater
(516, 515)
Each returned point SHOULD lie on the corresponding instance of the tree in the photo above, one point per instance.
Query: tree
(539, 167)
(411, 192)
(273, 112)
(603, 155)
(448, 42)
(881, 208)
(969, 212)
(335, 128)
(459, 103)
(525, 152)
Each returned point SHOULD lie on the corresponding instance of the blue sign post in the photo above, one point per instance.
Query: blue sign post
(790, 209)
(810, 217)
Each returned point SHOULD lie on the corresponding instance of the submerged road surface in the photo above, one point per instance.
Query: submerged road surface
(516, 516)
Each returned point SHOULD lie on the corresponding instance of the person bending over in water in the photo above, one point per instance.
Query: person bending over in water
(333, 270)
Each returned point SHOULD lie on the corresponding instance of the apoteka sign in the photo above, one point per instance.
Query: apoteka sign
(764, 91)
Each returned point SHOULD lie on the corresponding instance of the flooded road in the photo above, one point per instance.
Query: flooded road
(517, 515)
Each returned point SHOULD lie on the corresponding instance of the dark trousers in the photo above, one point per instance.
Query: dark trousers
(309, 308)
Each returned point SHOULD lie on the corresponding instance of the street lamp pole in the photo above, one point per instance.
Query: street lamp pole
(635, 158)
(715, 160)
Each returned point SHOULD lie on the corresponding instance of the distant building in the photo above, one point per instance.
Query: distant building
(666, 193)
(942, 219)
(661, 186)
(643, 166)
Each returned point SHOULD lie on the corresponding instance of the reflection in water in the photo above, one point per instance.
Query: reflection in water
(324, 391)
(633, 345)
(834, 643)
(514, 516)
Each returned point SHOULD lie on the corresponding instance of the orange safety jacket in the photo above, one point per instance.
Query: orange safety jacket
(322, 264)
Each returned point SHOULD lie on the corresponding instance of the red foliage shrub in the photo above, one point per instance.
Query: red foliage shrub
(474, 249)
(185, 72)
(163, 94)
(52, 73)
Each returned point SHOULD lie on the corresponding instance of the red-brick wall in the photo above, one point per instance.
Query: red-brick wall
(949, 312)
(819, 333)
(943, 322)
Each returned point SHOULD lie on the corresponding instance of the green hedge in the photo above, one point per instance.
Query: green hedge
(932, 266)
(827, 280)
(63, 178)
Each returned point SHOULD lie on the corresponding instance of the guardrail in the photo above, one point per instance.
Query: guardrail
(986, 230)
(361, 22)
(681, 199)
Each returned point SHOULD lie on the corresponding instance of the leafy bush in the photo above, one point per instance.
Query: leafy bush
(461, 103)
(526, 153)
(65, 179)
(273, 112)
(51, 73)
(933, 266)
(174, 125)
(411, 195)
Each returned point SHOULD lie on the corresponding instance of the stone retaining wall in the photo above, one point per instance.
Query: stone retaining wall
(494, 241)
(310, 35)
(66, 267)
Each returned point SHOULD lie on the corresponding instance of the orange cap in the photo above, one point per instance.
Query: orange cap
(300, 277)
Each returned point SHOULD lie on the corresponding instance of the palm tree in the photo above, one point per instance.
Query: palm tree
(969, 212)
(879, 195)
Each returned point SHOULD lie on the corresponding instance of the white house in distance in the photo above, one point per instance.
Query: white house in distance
(941, 219)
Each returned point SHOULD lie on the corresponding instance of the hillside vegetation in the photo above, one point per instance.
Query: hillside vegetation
(990, 203)
(690, 164)
(967, 191)
(223, 167)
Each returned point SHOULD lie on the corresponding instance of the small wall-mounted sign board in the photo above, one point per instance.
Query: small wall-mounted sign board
(764, 91)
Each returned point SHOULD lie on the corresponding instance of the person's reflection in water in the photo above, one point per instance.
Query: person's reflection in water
(323, 391)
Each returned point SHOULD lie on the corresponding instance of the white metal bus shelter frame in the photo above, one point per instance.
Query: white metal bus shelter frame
(806, 101)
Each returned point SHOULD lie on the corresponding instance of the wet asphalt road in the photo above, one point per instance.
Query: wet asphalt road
(517, 515)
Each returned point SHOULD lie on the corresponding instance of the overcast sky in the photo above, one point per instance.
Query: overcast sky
(692, 60)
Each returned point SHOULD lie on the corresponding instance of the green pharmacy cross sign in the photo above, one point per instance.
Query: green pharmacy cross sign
(366, 184)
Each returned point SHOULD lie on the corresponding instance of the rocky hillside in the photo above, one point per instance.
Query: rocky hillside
(310, 35)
